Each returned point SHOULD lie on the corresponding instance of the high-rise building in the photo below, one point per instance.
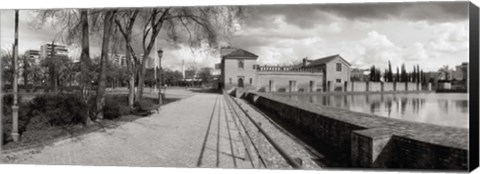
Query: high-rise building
(33, 55)
(118, 59)
(58, 50)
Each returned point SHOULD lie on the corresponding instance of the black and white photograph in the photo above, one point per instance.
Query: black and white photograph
(376, 86)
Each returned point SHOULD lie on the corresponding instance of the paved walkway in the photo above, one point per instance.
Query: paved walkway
(174, 137)
(200, 131)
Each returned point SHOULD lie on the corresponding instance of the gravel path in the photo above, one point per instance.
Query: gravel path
(204, 130)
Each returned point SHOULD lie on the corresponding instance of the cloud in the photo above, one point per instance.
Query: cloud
(377, 49)
(416, 52)
(308, 16)
(451, 37)
(303, 16)
(334, 27)
(364, 34)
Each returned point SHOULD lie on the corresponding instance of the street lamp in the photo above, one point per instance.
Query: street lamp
(15, 134)
(159, 81)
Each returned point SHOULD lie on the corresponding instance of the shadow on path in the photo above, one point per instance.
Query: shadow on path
(200, 157)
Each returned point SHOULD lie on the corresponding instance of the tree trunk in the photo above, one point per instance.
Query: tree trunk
(141, 76)
(131, 73)
(25, 72)
(107, 27)
(85, 62)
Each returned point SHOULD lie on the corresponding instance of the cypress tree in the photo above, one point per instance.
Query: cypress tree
(390, 76)
(414, 74)
(397, 78)
(419, 75)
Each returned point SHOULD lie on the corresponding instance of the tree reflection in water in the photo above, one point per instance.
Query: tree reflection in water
(442, 109)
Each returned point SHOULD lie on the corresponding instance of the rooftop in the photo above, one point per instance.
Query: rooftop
(237, 53)
(324, 60)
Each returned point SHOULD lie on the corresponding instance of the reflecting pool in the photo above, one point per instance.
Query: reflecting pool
(447, 109)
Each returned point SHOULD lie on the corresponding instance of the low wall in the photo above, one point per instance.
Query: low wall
(400, 86)
(359, 86)
(374, 86)
(372, 141)
(412, 86)
(382, 86)
(388, 86)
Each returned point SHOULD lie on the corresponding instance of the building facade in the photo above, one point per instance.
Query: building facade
(33, 55)
(58, 50)
(239, 68)
(336, 71)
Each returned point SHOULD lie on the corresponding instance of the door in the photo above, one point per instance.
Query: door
(240, 82)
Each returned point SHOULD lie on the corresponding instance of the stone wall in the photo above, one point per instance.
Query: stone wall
(400, 86)
(375, 86)
(359, 86)
(388, 86)
(372, 141)
(383, 86)
(412, 86)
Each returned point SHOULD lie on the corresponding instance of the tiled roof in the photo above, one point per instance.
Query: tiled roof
(324, 60)
(239, 53)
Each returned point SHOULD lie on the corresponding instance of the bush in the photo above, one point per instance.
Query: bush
(144, 106)
(116, 106)
(60, 109)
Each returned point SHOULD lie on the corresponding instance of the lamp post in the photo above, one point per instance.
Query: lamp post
(15, 135)
(159, 81)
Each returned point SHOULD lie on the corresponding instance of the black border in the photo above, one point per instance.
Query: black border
(473, 86)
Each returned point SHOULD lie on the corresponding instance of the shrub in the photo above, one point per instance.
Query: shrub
(115, 106)
(60, 109)
(144, 106)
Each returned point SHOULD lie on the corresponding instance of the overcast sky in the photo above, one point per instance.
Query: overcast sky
(431, 34)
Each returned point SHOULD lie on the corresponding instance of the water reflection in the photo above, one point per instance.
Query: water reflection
(440, 109)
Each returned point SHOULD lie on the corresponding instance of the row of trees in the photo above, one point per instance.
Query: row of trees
(417, 75)
(33, 74)
(203, 26)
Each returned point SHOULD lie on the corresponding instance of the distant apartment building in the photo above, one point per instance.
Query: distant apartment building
(33, 55)
(29, 56)
(119, 59)
(47, 50)
(460, 72)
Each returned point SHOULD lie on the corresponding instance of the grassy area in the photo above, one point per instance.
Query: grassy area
(50, 117)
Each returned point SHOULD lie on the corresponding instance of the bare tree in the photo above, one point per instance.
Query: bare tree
(102, 78)
(125, 22)
(202, 25)
(445, 72)
(74, 28)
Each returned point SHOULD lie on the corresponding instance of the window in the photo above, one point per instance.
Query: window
(292, 86)
(339, 80)
(251, 81)
(339, 67)
(254, 66)
(240, 64)
(230, 79)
